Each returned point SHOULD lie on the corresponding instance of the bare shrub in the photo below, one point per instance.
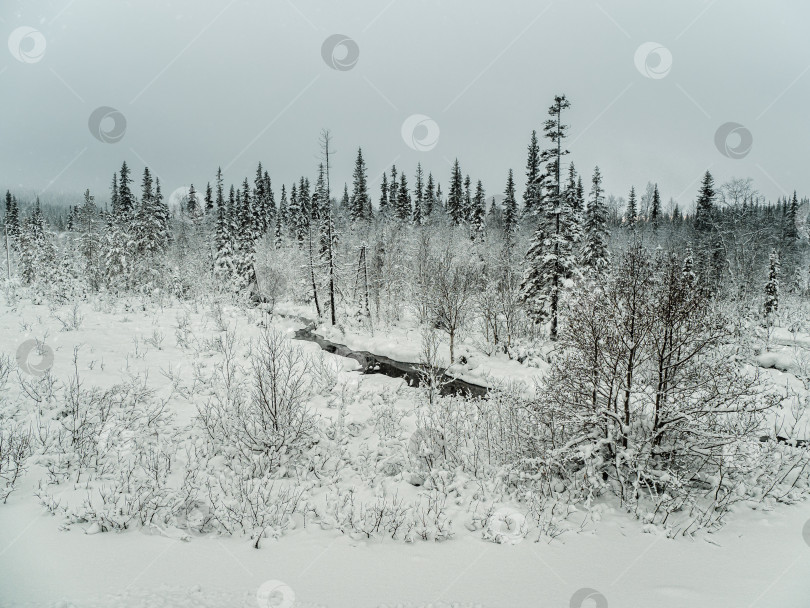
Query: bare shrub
(268, 420)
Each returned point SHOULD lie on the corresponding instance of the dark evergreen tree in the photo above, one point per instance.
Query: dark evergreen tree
(192, 206)
(632, 208)
(510, 210)
(655, 212)
(360, 207)
(595, 253)
(704, 209)
(419, 196)
(404, 207)
(478, 212)
(429, 199)
(550, 259)
(126, 200)
(455, 199)
(532, 195)
(772, 286)
(209, 198)
(384, 203)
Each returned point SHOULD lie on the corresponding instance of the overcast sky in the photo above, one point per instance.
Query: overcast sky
(204, 83)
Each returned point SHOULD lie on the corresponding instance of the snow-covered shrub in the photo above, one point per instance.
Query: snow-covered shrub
(387, 515)
(261, 415)
(259, 507)
(644, 400)
(479, 435)
(15, 448)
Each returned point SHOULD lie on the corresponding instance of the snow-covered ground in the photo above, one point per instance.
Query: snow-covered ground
(760, 558)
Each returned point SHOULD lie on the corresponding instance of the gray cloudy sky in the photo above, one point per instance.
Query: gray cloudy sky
(203, 83)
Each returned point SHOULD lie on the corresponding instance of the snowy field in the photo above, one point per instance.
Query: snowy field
(759, 558)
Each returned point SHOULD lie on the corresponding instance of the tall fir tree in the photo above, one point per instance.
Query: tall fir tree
(209, 199)
(404, 207)
(655, 211)
(510, 211)
(360, 205)
(632, 208)
(429, 198)
(418, 196)
(467, 205)
(771, 305)
(704, 209)
(532, 195)
(595, 253)
(384, 202)
(126, 200)
(455, 198)
(551, 258)
(478, 213)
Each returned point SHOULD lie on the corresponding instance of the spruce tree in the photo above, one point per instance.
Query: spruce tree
(12, 219)
(455, 198)
(283, 219)
(360, 201)
(114, 202)
(704, 210)
(384, 203)
(220, 189)
(209, 198)
(404, 209)
(478, 213)
(126, 201)
(632, 208)
(192, 206)
(419, 194)
(595, 252)
(655, 212)
(467, 205)
(533, 193)
(429, 199)
(550, 259)
(772, 286)
(510, 211)
(393, 192)
(791, 229)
